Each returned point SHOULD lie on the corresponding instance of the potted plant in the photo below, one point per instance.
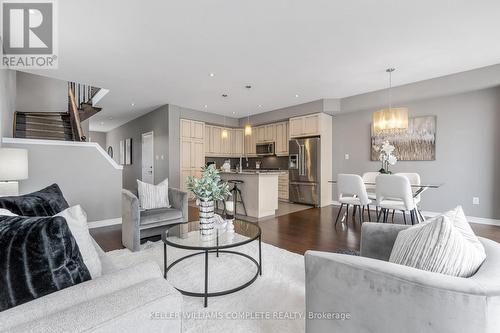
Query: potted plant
(207, 189)
(387, 157)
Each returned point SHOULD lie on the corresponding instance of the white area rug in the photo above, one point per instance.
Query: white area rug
(275, 302)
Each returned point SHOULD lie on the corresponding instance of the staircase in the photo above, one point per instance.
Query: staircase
(64, 126)
(43, 125)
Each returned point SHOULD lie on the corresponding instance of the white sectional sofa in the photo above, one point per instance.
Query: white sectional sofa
(133, 299)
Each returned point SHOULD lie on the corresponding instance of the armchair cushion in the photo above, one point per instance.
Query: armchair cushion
(160, 214)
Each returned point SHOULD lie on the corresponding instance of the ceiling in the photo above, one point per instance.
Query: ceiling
(150, 53)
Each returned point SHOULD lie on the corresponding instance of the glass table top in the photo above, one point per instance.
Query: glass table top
(191, 238)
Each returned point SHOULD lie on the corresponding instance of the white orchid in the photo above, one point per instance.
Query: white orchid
(386, 156)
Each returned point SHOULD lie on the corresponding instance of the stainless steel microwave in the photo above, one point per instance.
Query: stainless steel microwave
(265, 149)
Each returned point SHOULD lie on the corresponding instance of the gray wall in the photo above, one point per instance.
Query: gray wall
(37, 93)
(467, 146)
(7, 101)
(175, 113)
(156, 121)
(99, 137)
(83, 174)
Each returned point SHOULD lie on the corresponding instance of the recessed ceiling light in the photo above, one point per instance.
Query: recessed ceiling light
(296, 95)
(234, 113)
(133, 104)
(260, 105)
(205, 106)
(211, 74)
(224, 95)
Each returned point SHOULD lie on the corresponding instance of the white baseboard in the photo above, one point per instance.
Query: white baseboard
(104, 223)
(471, 219)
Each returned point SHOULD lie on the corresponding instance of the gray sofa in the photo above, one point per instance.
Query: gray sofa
(380, 296)
(137, 223)
(121, 300)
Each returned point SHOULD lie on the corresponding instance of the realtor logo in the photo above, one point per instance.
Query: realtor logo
(28, 34)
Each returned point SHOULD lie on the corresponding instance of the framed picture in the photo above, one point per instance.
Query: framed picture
(128, 151)
(110, 151)
(122, 152)
(417, 143)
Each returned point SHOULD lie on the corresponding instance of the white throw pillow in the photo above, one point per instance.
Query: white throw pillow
(444, 244)
(77, 222)
(153, 196)
(6, 212)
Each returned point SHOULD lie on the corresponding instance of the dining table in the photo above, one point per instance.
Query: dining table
(418, 188)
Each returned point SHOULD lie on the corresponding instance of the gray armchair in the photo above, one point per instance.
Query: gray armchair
(137, 224)
(380, 296)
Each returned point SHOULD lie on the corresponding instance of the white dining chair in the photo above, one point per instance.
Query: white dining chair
(352, 191)
(394, 193)
(414, 179)
(371, 177)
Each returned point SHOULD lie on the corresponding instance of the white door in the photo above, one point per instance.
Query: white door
(148, 172)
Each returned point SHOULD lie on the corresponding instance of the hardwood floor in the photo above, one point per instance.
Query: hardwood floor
(310, 229)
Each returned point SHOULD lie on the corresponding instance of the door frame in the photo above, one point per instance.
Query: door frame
(152, 153)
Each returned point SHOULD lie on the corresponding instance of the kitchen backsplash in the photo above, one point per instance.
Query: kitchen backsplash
(268, 162)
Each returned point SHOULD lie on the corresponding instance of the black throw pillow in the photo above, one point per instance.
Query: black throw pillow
(38, 256)
(47, 202)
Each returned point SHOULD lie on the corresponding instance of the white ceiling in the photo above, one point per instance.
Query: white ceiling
(156, 52)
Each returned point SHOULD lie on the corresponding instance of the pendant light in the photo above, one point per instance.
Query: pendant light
(390, 120)
(248, 127)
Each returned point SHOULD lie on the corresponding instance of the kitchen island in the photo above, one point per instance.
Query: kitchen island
(259, 191)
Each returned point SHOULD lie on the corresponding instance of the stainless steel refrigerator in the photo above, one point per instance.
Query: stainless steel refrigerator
(304, 170)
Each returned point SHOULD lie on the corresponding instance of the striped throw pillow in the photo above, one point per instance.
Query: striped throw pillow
(445, 244)
(153, 196)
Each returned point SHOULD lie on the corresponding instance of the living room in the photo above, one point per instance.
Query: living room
(257, 167)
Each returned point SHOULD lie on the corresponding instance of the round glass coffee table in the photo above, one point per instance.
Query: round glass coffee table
(220, 242)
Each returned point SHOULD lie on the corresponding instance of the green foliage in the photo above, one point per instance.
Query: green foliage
(209, 187)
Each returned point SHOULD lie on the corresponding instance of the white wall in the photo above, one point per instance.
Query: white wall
(37, 93)
(84, 175)
(467, 149)
(7, 101)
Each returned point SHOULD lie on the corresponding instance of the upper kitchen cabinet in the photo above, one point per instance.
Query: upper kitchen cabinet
(250, 143)
(270, 133)
(306, 125)
(192, 129)
(282, 137)
(260, 134)
(237, 142)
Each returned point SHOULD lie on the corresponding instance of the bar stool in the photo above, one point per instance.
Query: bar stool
(235, 192)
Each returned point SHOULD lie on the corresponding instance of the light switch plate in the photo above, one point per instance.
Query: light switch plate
(346, 156)
(475, 200)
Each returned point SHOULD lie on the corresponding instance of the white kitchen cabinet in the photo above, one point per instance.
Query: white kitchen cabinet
(283, 186)
(185, 154)
(260, 134)
(197, 130)
(238, 142)
(250, 143)
(192, 129)
(216, 141)
(192, 149)
(197, 154)
(208, 137)
(305, 126)
(270, 133)
(282, 138)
